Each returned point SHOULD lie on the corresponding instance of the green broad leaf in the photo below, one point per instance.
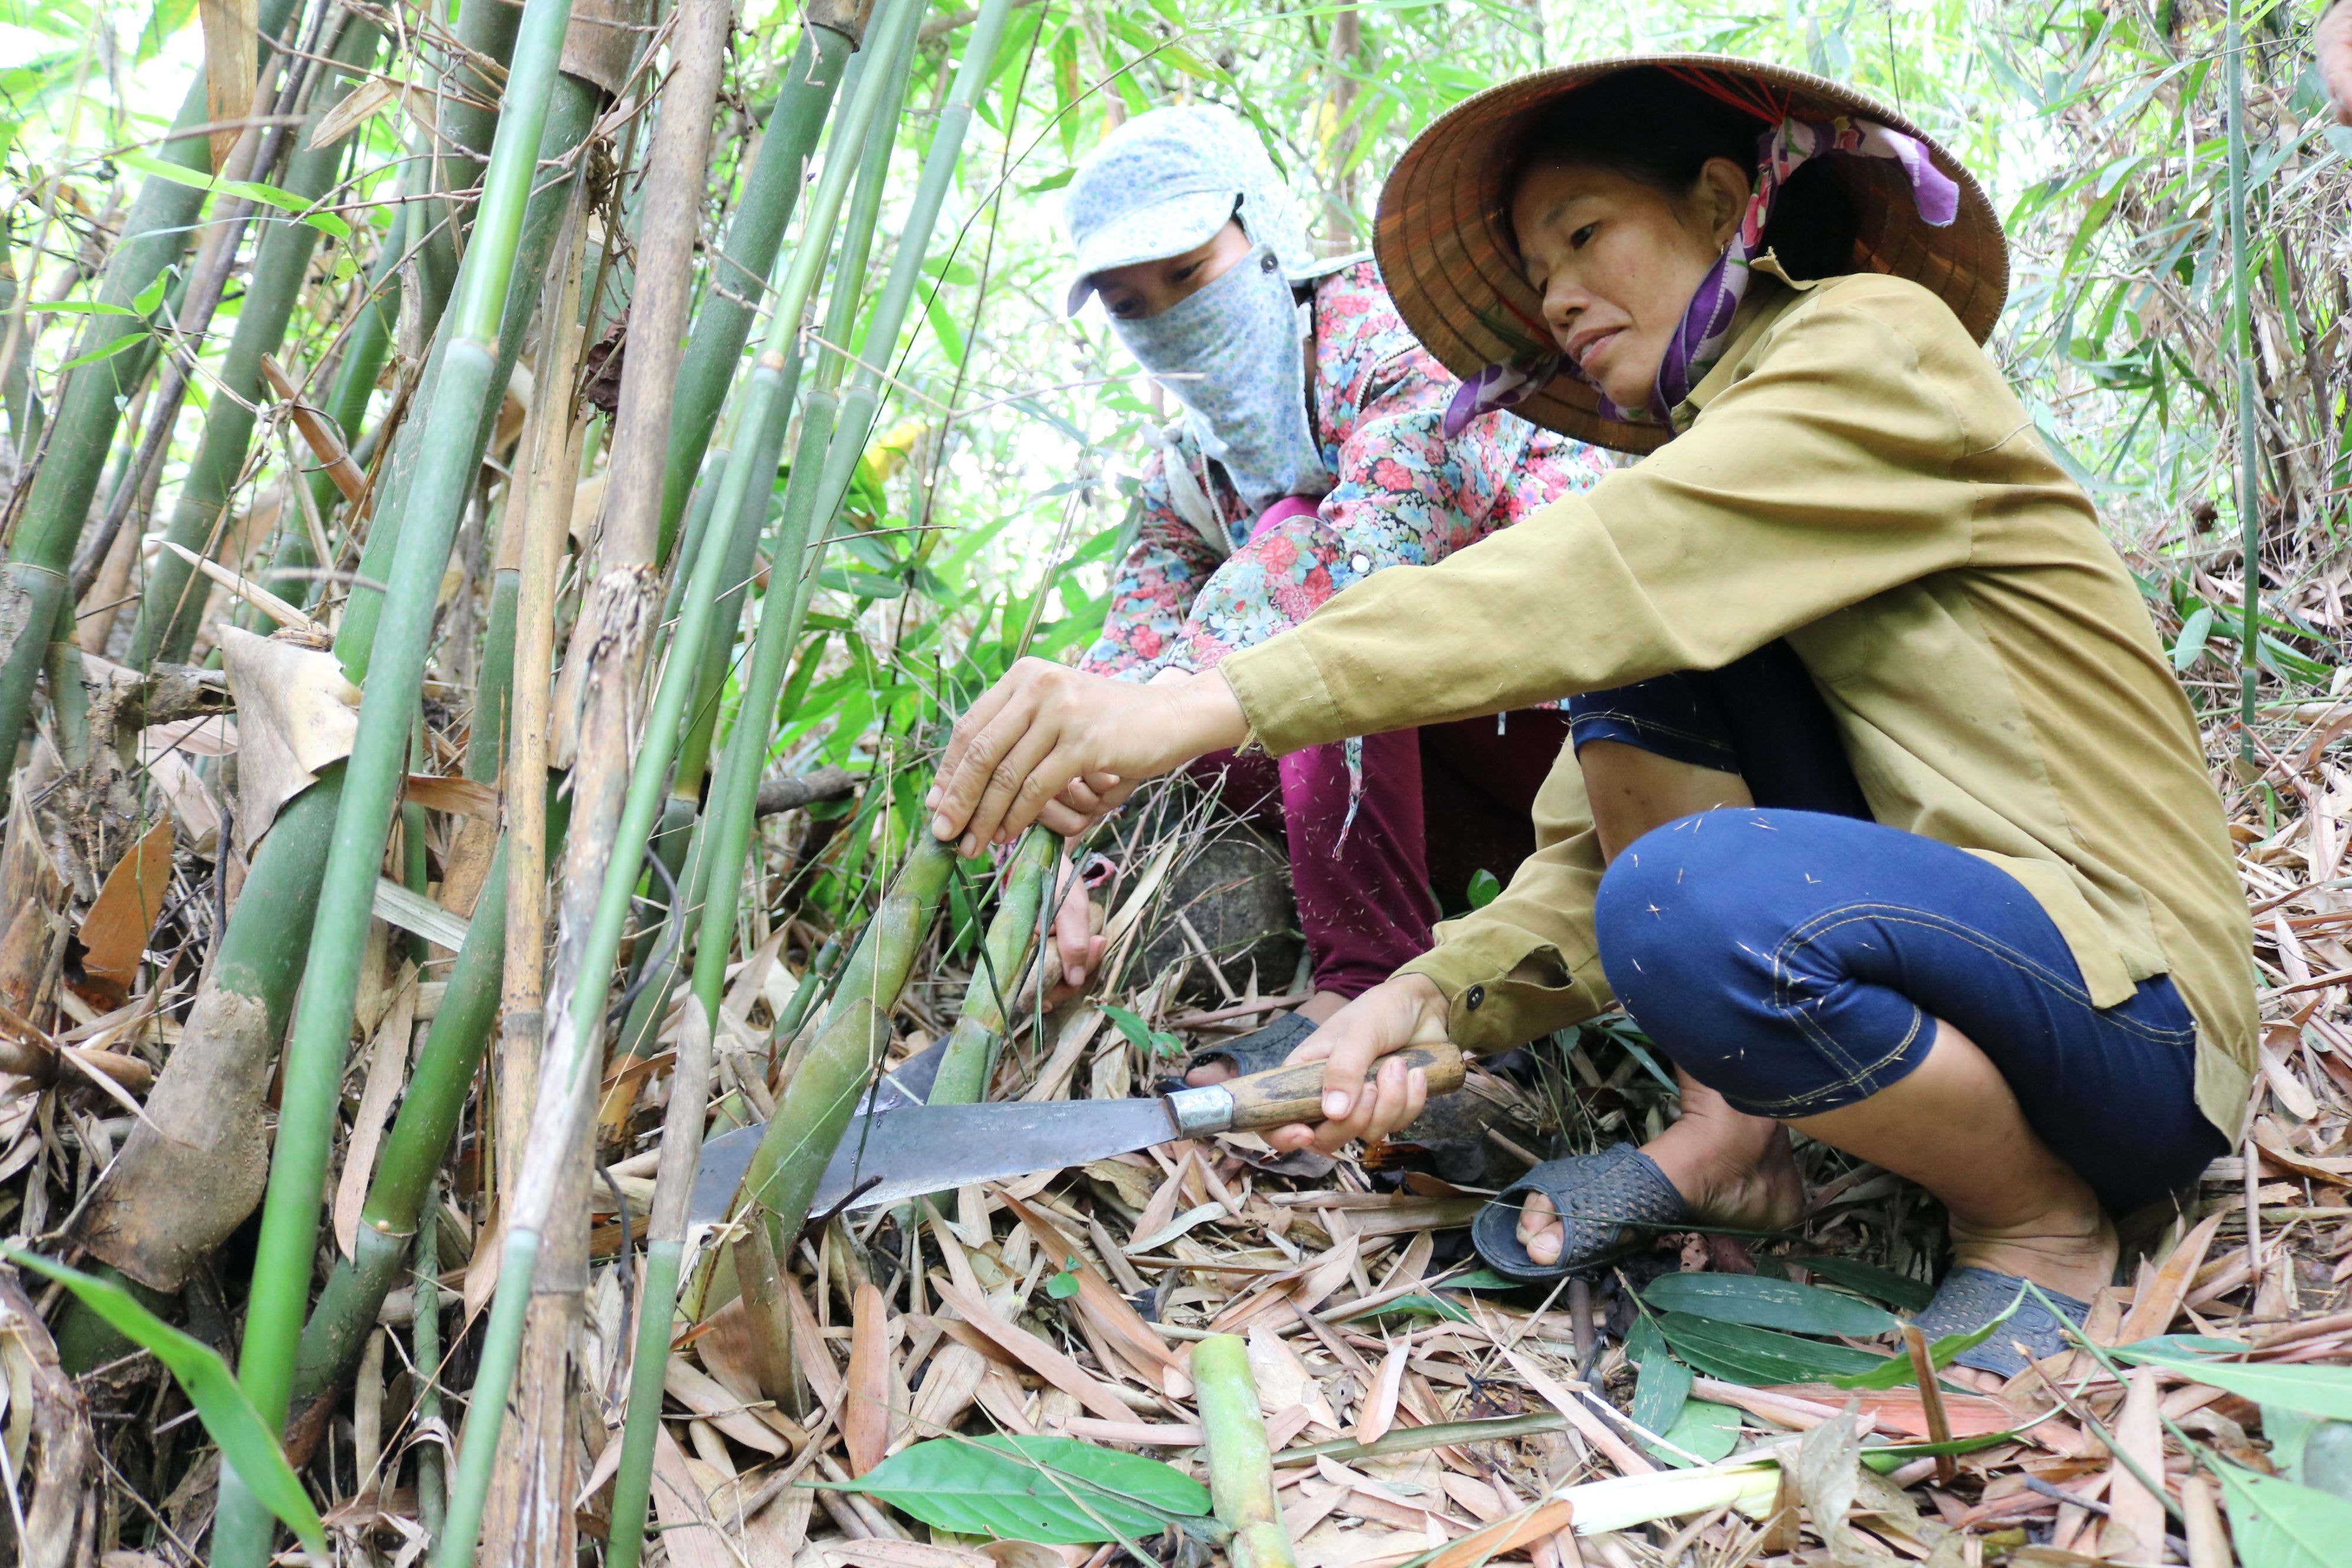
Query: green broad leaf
(2277, 1524)
(1661, 1392)
(1642, 1340)
(1480, 1279)
(1764, 1303)
(1065, 1285)
(1485, 888)
(122, 344)
(2192, 640)
(144, 304)
(83, 308)
(1153, 1043)
(2324, 1391)
(1736, 1352)
(1056, 1491)
(245, 1440)
(1705, 1429)
(249, 190)
(1897, 1290)
(1899, 1370)
(1418, 1306)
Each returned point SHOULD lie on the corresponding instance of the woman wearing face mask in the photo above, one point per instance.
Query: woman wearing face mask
(1309, 455)
(1887, 820)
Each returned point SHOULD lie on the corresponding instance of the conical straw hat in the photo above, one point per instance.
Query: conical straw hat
(1444, 238)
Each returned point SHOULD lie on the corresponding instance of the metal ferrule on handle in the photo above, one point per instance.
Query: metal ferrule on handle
(1200, 1112)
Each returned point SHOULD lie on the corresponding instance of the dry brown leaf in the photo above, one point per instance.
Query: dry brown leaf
(295, 713)
(1107, 1310)
(387, 1069)
(2135, 1527)
(887, 1553)
(1512, 1535)
(687, 1532)
(865, 1407)
(1037, 1355)
(115, 932)
(1378, 1411)
(232, 55)
(719, 1404)
(2159, 1301)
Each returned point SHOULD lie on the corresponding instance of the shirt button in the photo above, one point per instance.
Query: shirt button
(1474, 996)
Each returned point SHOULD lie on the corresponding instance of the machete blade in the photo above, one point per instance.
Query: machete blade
(919, 1149)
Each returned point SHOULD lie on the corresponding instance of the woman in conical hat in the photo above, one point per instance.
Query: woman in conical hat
(1883, 816)
(1308, 451)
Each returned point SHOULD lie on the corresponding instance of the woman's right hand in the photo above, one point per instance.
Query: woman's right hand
(1049, 743)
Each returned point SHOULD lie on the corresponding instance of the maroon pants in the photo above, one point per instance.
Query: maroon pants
(1439, 805)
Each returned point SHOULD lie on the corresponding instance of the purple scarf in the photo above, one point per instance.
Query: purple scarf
(1698, 343)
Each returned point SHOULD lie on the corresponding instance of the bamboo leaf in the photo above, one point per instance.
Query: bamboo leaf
(2324, 1391)
(245, 1440)
(2278, 1524)
(1704, 1429)
(122, 344)
(1738, 1353)
(249, 190)
(1897, 1290)
(1661, 1393)
(1056, 1490)
(1899, 1370)
(1758, 1302)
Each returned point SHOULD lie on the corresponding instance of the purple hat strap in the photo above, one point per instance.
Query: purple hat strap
(1706, 328)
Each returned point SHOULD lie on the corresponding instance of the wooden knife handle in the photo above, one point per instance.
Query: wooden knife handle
(1290, 1094)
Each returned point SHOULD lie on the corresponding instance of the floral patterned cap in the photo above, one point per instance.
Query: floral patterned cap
(1445, 250)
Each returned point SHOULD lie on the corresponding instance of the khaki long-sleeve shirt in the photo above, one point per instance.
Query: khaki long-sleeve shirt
(1853, 476)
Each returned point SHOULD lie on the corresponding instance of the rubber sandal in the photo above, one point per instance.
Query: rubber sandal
(1261, 1050)
(1969, 1298)
(1611, 1204)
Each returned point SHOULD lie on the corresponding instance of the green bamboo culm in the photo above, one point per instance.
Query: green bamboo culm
(172, 607)
(735, 795)
(571, 114)
(156, 232)
(723, 323)
(572, 1051)
(814, 1109)
(312, 1069)
(741, 492)
(1240, 1470)
(970, 1054)
(2241, 348)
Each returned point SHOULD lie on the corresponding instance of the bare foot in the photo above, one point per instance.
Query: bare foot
(1317, 1010)
(2072, 1250)
(1732, 1168)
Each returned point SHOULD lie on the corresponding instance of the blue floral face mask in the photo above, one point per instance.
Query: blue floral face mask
(1234, 355)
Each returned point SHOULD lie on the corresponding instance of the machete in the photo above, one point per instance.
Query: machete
(895, 1150)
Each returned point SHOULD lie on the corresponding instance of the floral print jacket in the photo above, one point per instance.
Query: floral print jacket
(1405, 495)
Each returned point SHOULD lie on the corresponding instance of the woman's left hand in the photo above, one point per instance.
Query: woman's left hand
(1358, 1101)
(1047, 743)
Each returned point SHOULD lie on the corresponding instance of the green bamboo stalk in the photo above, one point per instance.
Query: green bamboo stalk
(431, 1497)
(312, 1066)
(81, 429)
(571, 1052)
(816, 1104)
(816, 492)
(689, 1091)
(571, 114)
(744, 258)
(970, 1055)
(170, 613)
(893, 56)
(2241, 348)
(1241, 1471)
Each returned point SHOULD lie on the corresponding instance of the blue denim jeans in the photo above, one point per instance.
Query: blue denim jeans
(1796, 961)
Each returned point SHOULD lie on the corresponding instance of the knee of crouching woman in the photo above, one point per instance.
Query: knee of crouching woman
(1676, 920)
